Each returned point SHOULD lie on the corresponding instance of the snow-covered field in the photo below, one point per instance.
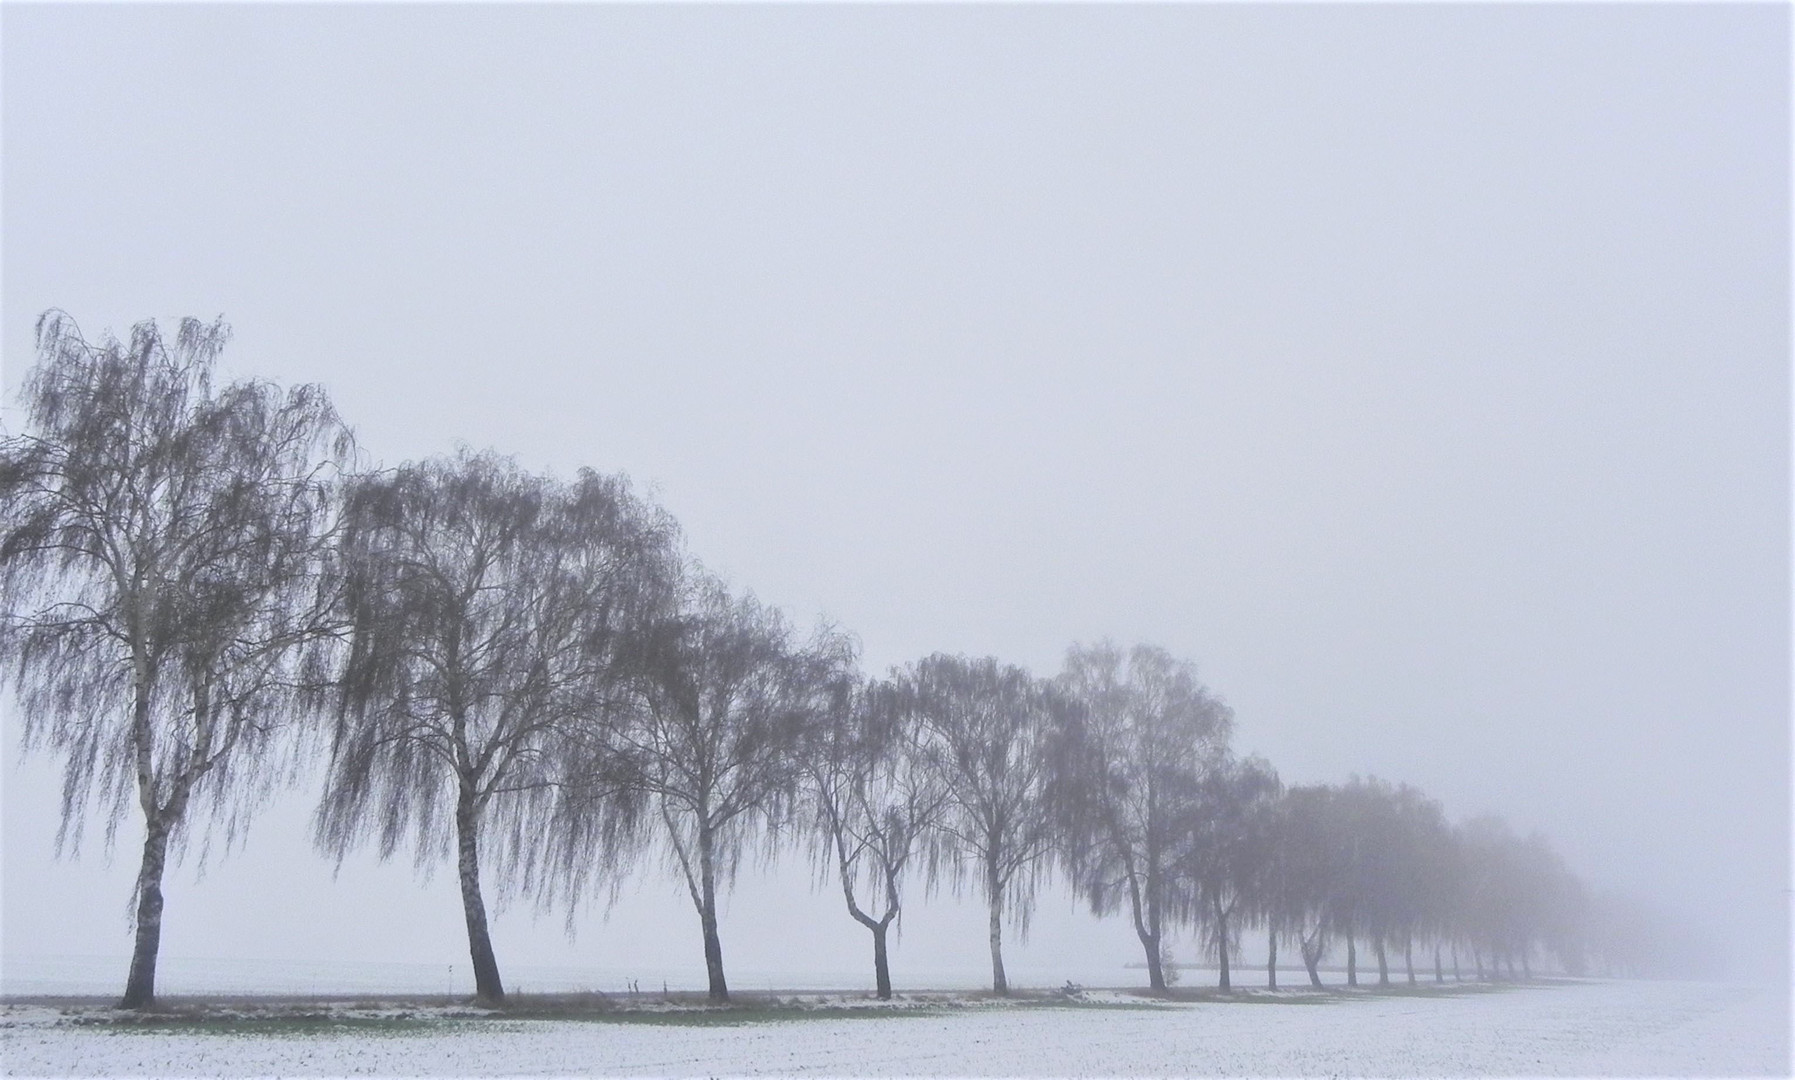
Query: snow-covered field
(1558, 1029)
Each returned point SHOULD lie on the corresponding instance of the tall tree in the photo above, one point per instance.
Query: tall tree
(873, 803)
(985, 732)
(1146, 734)
(726, 696)
(1418, 885)
(1360, 905)
(1369, 903)
(1224, 863)
(162, 562)
(1304, 871)
(1518, 897)
(492, 612)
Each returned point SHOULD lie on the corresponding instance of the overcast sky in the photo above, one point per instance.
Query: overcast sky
(1422, 373)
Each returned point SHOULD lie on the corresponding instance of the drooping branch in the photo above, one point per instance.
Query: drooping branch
(163, 545)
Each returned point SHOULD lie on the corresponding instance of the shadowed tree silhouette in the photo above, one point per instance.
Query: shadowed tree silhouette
(873, 804)
(162, 567)
(725, 698)
(1146, 734)
(1224, 865)
(491, 614)
(985, 731)
(1303, 873)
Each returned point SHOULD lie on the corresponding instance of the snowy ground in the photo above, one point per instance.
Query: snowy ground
(1558, 1029)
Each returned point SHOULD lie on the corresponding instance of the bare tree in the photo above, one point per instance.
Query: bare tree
(985, 732)
(1519, 896)
(873, 803)
(1147, 733)
(1418, 873)
(161, 563)
(492, 613)
(725, 698)
(1388, 835)
(1303, 871)
(1224, 865)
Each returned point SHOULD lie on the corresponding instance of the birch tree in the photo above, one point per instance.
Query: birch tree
(162, 569)
(1225, 862)
(1146, 734)
(492, 614)
(873, 803)
(1419, 884)
(985, 731)
(1303, 873)
(1519, 896)
(725, 697)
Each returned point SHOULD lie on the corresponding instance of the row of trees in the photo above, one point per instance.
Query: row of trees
(204, 597)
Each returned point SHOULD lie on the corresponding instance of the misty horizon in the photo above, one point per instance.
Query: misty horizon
(1419, 374)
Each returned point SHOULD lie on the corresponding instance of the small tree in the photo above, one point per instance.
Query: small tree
(725, 698)
(1144, 736)
(984, 732)
(162, 554)
(491, 610)
(873, 805)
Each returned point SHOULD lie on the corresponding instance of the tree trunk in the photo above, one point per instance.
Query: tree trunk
(1352, 962)
(1156, 975)
(1311, 949)
(1221, 944)
(999, 984)
(1146, 927)
(881, 965)
(140, 984)
(1383, 965)
(1271, 958)
(487, 986)
(1408, 958)
(878, 927)
(1148, 931)
(1477, 957)
(1457, 976)
(713, 953)
(707, 917)
(1526, 971)
(1439, 972)
(995, 894)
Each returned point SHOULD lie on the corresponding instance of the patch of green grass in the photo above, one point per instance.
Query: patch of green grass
(1144, 1005)
(1210, 995)
(1318, 997)
(289, 1026)
(312, 1024)
(299, 1019)
(1427, 990)
(1332, 992)
(754, 1012)
(740, 1015)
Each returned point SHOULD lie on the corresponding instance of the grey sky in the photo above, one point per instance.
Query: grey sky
(1421, 372)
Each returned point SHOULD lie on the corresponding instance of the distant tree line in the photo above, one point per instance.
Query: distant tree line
(206, 597)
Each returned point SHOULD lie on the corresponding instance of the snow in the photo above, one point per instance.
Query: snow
(1557, 1029)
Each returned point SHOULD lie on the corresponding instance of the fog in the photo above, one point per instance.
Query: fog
(1421, 373)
